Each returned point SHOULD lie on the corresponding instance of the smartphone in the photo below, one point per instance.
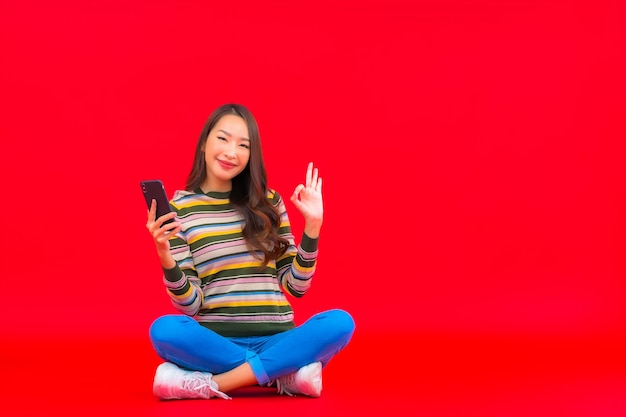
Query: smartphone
(154, 190)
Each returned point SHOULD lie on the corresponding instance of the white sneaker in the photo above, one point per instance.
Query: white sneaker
(171, 382)
(306, 380)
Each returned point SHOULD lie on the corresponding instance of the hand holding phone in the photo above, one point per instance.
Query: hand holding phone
(154, 190)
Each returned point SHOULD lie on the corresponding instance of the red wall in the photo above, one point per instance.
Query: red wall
(473, 154)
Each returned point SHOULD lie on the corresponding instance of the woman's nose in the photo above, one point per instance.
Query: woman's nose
(230, 150)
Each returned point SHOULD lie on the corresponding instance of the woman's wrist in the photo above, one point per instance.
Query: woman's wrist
(167, 260)
(312, 229)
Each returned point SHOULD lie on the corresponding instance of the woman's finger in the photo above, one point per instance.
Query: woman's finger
(156, 227)
(309, 174)
(168, 233)
(314, 180)
(165, 218)
(152, 211)
(298, 190)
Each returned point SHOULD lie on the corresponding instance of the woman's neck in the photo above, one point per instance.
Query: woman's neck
(217, 186)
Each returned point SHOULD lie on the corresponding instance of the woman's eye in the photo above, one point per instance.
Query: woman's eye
(221, 138)
(245, 145)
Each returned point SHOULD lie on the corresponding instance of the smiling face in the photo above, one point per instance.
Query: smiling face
(226, 153)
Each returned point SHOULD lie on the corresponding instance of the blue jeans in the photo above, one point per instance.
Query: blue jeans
(182, 340)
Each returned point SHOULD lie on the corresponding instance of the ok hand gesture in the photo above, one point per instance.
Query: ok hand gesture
(308, 199)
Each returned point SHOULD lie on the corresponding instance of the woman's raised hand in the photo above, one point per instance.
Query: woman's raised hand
(162, 232)
(307, 198)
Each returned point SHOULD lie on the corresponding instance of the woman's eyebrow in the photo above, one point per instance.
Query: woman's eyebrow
(229, 135)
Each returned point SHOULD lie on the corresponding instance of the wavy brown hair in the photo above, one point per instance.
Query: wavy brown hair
(249, 194)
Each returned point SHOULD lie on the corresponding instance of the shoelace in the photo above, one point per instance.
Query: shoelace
(198, 380)
(283, 384)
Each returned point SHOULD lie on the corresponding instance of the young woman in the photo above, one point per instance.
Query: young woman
(227, 258)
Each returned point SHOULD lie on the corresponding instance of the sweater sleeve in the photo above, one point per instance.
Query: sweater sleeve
(296, 267)
(181, 282)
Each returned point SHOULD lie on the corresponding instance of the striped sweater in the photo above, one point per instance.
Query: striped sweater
(216, 279)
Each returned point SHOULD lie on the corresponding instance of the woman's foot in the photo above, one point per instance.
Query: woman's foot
(172, 382)
(306, 380)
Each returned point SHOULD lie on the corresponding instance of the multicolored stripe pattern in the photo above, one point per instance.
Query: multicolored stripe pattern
(219, 282)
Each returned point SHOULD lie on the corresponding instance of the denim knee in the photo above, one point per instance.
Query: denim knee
(166, 328)
(343, 323)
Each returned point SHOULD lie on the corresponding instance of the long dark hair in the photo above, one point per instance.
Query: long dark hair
(249, 194)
